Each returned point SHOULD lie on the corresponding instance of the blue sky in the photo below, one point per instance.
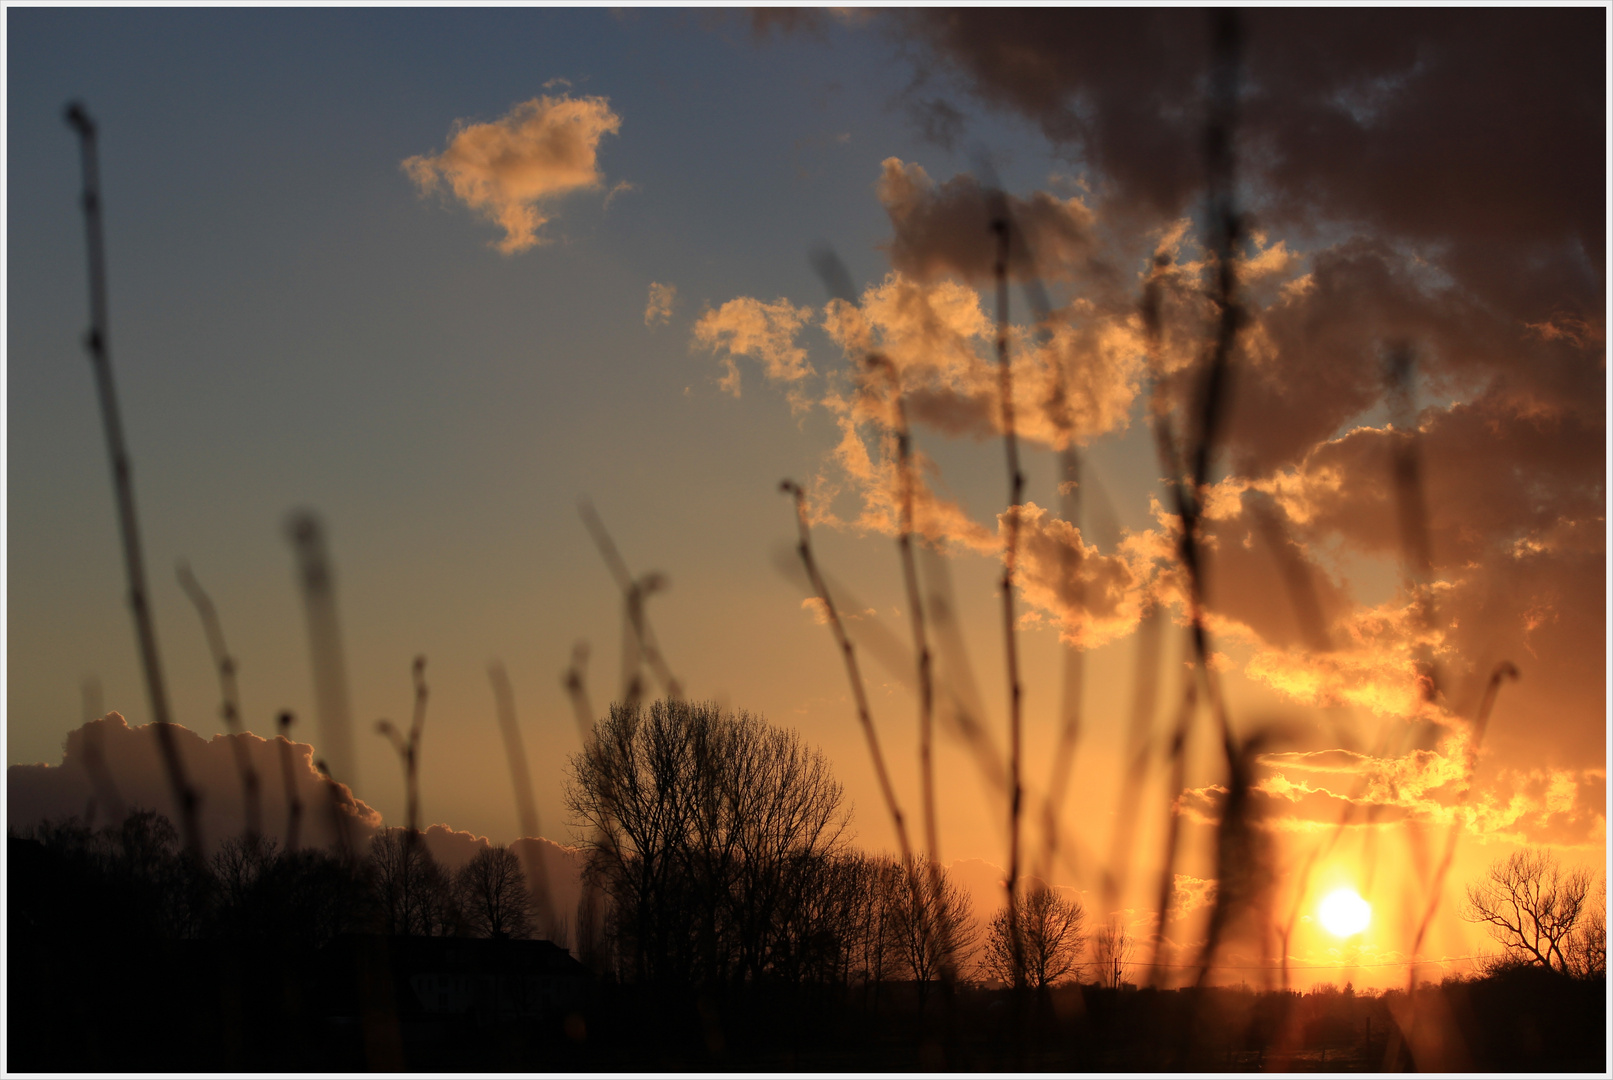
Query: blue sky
(294, 324)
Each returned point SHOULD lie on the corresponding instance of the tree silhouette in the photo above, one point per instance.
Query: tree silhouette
(1050, 940)
(930, 921)
(706, 830)
(412, 893)
(493, 896)
(1532, 908)
(1111, 951)
(1587, 949)
(867, 922)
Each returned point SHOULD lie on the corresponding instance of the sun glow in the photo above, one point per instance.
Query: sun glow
(1343, 912)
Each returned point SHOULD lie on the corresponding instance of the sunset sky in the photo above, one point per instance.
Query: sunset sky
(438, 275)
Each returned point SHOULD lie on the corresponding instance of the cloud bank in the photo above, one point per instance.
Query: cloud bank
(1421, 186)
(106, 763)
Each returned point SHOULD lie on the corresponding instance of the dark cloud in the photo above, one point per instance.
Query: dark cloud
(937, 120)
(946, 228)
(36, 793)
(132, 763)
(1443, 172)
(1256, 574)
(1481, 129)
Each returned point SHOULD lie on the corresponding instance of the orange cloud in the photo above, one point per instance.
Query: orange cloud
(1510, 454)
(1190, 894)
(509, 169)
(1076, 380)
(1322, 789)
(763, 332)
(1377, 663)
(1096, 598)
(659, 307)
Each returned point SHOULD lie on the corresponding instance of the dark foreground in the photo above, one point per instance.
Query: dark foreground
(94, 989)
(445, 1005)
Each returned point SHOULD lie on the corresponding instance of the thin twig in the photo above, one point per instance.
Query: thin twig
(98, 344)
(1145, 681)
(339, 818)
(1189, 474)
(106, 796)
(230, 707)
(921, 649)
(1502, 671)
(408, 749)
(1410, 505)
(288, 773)
(1074, 666)
(1177, 756)
(1016, 495)
(307, 536)
(638, 638)
(537, 875)
(837, 280)
(574, 680)
(864, 715)
(956, 679)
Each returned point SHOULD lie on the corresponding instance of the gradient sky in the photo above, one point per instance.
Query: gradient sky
(410, 269)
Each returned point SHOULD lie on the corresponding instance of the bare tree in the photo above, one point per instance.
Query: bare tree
(703, 827)
(261, 890)
(1531, 907)
(493, 895)
(238, 871)
(592, 947)
(1587, 949)
(1050, 940)
(412, 893)
(930, 921)
(868, 938)
(1111, 952)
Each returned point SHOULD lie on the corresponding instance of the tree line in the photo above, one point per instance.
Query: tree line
(717, 854)
(145, 885)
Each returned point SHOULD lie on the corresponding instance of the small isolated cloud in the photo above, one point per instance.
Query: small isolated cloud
(659, 308)
(508, 170)
(621, 187)
(764, 332)
(814, 606)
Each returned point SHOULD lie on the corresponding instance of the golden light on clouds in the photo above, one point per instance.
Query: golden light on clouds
(764, 332)
(508, 168)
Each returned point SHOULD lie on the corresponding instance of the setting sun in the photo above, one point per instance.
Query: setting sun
(1343, 912)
